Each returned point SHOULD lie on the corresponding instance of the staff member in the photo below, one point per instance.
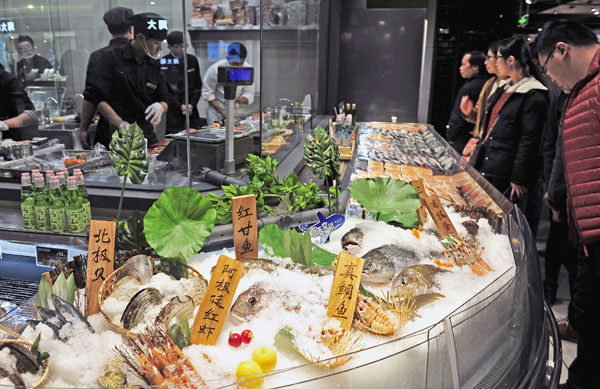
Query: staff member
(118, 22)
(128, 86)
(172, 68)
(16, 110)
(214, 94)
(31, 65)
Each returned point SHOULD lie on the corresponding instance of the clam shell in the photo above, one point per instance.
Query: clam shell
(139, 267)
(195, 287)
(26, 362)
(139, 304)
(180, 308)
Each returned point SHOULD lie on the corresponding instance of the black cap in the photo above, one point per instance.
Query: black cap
(151, 25)
(118, 19)
(175, 38)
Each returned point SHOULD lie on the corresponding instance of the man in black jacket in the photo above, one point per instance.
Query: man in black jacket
(31, 65)
(172, 67)
(472, 69)
(118, 22)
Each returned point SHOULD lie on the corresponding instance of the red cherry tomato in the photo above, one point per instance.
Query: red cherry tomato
(235, 340)
(247, 336)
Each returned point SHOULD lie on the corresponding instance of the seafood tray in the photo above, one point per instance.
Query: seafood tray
(17, 291)
(53, 160)
(415, 146)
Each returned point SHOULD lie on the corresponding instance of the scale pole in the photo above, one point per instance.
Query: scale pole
(229, 159)
(186, 96)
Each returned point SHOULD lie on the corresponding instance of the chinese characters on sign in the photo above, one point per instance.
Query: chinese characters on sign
(346, 281)
(100, 263)
(217, 301)
(422, 211)
(439, 215)
(245, 228)
(7, 26)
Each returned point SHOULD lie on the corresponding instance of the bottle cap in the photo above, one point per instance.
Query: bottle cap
(49, 172)
(25, 179)
(54, 183)
(77, 171)
(61, 177)
(71, 183)
(34, 172)
(64, 169)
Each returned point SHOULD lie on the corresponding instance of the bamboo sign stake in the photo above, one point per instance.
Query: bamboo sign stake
(346, 281)
(100, 260)
(217, 299)
(439, 215)
(245, 227)
(422, 211)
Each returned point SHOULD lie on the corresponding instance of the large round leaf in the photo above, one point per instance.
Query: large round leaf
(178, 222)
(387, 199)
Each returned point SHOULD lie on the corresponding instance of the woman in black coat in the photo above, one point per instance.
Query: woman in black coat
(509, 158)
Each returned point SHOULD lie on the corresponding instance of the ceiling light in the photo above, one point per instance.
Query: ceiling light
(593, 10)
(555, 12)
(540, 29)
(30, 6)
(152, 2)
(528, 1)
(597, 13)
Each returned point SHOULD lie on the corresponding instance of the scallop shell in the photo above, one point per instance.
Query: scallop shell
(180, 308)
(195, 287)
(139, 267)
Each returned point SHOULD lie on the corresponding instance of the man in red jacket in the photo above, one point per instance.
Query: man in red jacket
(570, 54)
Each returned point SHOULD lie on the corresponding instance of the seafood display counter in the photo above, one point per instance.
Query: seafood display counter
(434, 310)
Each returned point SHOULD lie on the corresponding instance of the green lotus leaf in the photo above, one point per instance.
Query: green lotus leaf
(178, 222)
(128, 153)
(388, 199)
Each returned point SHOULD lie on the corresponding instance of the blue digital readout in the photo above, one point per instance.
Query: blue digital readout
(240, 75)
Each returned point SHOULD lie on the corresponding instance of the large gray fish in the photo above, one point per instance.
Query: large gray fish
(383, 263)
(69, 312)
(420, 279)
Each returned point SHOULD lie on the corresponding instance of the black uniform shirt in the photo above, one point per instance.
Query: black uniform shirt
(90, 72)
(24, 67)
(13, 99)
(127, 86)
(172, 68)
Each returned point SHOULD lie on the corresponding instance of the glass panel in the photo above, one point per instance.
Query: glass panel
(290, 38)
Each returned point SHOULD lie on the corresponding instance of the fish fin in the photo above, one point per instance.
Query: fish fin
(321, 217)
(427, 298)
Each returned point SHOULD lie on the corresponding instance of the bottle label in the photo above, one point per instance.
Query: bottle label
(42, 218)
(57, 220)
(74, 220)
(87, 214)
(28, 212)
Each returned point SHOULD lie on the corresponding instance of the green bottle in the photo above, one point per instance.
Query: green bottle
(83, 197)
(73, 207)
(57, 207)
(49, 174)
(62, 179)
(27, 202)
(42, 209)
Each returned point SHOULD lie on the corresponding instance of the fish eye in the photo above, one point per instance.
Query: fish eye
(403, 282)
(252, 300)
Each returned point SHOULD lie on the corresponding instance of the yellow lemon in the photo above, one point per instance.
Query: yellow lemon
(249, 370)
(265, 356)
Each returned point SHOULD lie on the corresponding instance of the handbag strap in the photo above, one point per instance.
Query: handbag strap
(496, 113)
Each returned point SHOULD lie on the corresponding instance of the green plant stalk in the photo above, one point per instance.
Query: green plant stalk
(121, 198)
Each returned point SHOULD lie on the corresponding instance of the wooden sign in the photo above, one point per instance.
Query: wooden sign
(214, 307)
(439, 215)
(245, 228)
(100, 260)
(346, 281)
(422, 211)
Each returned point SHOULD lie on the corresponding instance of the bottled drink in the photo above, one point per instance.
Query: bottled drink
(27, 201)
(42, 210)
(83, 197)
(62, 179)
(73, 207)
(49, 174)
(57, 207)
(34, 172)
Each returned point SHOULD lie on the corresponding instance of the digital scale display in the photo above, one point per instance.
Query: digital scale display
(240, 75)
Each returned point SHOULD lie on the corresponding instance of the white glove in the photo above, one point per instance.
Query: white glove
(3, 126)
(154, 113)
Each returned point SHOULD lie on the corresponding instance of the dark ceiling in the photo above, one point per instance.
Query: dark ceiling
(542, 11)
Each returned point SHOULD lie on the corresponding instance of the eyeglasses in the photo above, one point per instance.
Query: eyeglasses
(548, 59)
(491, 56)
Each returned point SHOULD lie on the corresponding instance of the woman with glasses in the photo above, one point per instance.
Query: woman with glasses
(509, 156)
(475, 113)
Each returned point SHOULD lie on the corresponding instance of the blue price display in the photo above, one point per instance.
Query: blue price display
(240, 75)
